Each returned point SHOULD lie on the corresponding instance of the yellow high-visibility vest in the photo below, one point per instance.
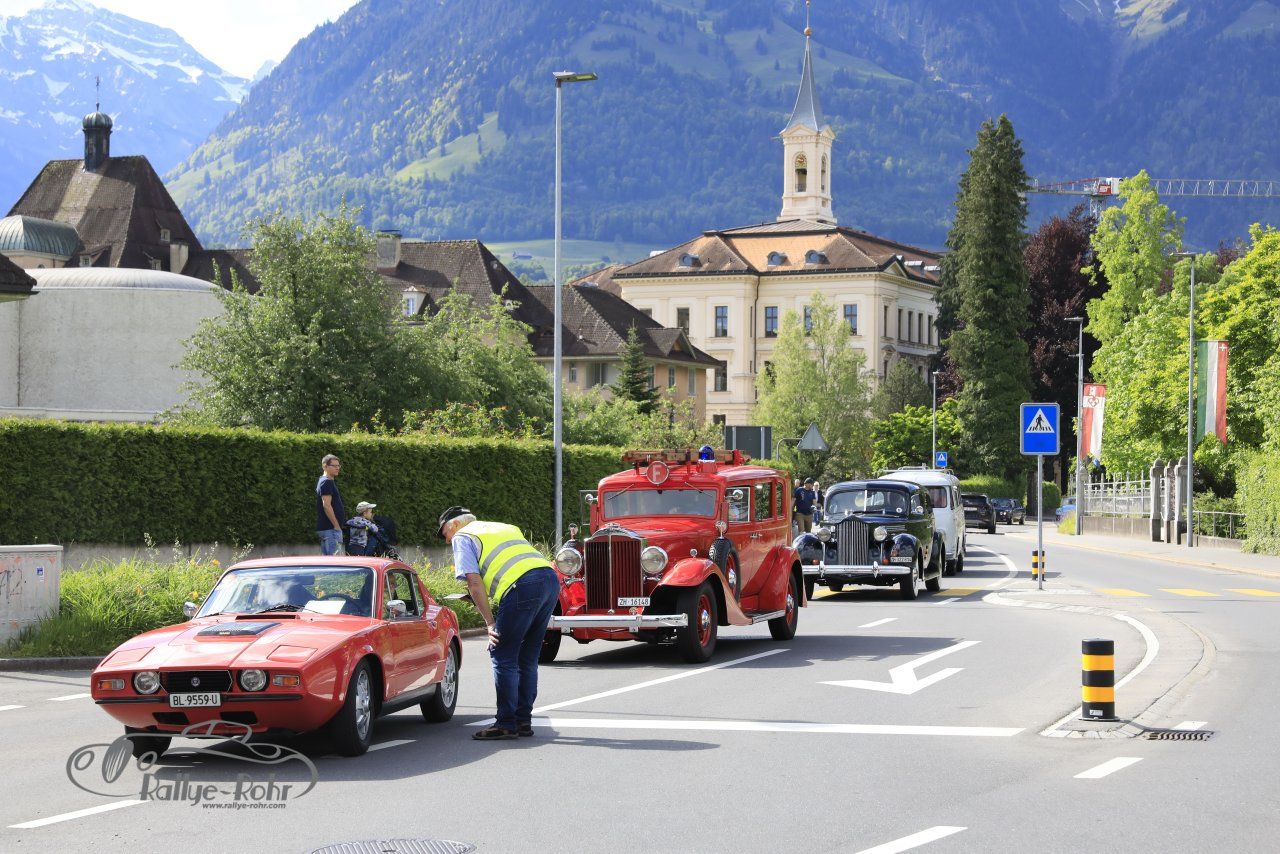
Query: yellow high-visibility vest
(505, 555)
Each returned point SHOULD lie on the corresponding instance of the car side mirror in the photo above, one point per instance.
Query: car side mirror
(189, 609)
(590, 498)
(737, 495)
(397, 608)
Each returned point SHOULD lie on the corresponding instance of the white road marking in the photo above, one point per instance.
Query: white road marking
(394, 743)
(1013, 570)
(69, 697)
(947, 601)
(903, 679)
(1109, 767)
(875, 623)
(775, 726)
(1190, 725)
(681, 675)
(915, 840)
(68, 816)
(7, 708)
(1153, 648)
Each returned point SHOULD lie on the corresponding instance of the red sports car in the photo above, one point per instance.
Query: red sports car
(289, 645)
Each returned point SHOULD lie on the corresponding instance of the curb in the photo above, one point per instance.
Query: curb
(473, 633)
(82, 662)
(1262, 573)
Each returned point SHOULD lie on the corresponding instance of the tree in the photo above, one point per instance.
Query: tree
(906, 438)
(635, 376)
(984, 292)
(1056, 256)
(903, 387)
(322, 346)
(820, 379)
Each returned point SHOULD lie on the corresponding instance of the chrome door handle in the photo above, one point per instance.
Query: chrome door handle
(756, 536)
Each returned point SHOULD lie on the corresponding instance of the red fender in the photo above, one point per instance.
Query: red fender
(692, 571)
(775, 572)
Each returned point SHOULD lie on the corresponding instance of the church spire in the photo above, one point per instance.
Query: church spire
(807, 111)
(806, 143)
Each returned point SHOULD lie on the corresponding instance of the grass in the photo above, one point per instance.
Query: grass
(460, 153)
(1068, 524)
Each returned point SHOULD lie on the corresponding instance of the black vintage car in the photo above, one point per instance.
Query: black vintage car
(978, 512)
(877, 532)
(1009, 511)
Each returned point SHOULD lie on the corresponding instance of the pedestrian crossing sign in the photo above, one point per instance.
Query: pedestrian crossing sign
(1040, 428)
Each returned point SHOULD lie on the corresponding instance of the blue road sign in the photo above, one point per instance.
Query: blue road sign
(940, 460)
(1040, 428)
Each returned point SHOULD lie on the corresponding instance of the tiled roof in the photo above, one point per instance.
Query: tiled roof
(602, 279)
(121, 208)
(14, 281)
(217, 265)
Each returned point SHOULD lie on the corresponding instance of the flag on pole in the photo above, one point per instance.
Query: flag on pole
(1211, 389)
(1095, 403)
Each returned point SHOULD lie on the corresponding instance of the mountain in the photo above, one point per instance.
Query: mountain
(165, 97)
(437, 116)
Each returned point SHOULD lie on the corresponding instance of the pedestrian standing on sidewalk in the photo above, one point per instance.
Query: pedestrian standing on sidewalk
(515, 590)
(805, 498)
(329, 509)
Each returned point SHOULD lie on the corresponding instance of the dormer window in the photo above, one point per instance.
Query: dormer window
(915, 263)
(165, 236)
(86, 261)
(155, 264)
(688, 259)
(932, 268)
(777, 259)
(813, 256)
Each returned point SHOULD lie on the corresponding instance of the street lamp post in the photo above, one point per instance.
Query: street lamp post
(557, 428)
(1191, 398)
(934, 463)
(1079, 423)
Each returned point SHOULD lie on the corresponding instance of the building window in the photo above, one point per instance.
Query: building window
(722, 321)
(768, 369)
(920, 328)
(911, 326)
(776, 259)
(410, 304)
(693, 382)
(930, 325)
(165, 237)
(824, 173)
(886, 369)
(653, 377)
(851, 318)
(813, 256)
(719, 420)
(770, 321)
(682, 319)
(599, 373)
(86, 261)
(722, 378)
(573, 372)
(155, 264)
(899, 324)
(808, 320)
(802, 174)
(647, 312)
(671, 377)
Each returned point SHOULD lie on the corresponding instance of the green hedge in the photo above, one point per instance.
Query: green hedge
(100, 483)
(1258, 494)
(995, 487)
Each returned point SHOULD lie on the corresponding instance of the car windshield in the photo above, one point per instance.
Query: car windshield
(659, 502)
(1002, 503)
(880, 501)
(973, 500)
(323, 589)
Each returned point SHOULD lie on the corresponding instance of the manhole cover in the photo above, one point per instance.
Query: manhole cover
(398, 846)
(1178, 734)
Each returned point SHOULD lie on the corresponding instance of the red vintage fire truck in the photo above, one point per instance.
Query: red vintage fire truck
(680, 543)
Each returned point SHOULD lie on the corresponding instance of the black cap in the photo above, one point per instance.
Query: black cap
(452, 513)
(808, 480)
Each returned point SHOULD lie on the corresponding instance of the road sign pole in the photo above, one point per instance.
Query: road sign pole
(1040, 517)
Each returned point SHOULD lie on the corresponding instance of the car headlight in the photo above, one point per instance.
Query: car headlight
(146, 682)
(653, 560)
(880, 533)
(569, 561)
(823, 534)
(253, 680)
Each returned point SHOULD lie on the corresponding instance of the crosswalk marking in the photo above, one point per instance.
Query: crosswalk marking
(1120, 591)
(1252, 591)
(1186, 591)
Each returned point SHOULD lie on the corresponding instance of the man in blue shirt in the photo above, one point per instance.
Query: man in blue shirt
(805, 498)
(329, 509)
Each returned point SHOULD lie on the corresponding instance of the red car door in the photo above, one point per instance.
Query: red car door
(760, 538)
(413, 656)
(435, 634)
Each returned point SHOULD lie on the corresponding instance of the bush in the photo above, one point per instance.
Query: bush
(1068, 524)
(994, 487)
(113, 483)
(1258, 485)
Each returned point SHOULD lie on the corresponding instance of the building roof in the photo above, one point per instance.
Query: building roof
(14, 281)
(42, 236)
(437, 267)
(807, 111)
(217, 265)
(120, 278)
(118, 211)
(784, 248)
(602, 279)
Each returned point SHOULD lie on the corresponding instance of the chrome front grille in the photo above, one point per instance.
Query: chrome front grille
(852, 543)
(612, 572)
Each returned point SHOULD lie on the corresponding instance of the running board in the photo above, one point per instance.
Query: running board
(764, 618)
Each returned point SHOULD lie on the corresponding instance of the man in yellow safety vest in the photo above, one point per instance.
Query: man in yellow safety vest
(515, 590)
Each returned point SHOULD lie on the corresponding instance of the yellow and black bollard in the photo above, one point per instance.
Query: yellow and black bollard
(1098, 680)
(1035, 564)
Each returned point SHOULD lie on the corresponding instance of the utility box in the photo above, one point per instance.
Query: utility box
(30, 587)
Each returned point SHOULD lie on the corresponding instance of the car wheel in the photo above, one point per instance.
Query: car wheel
(991, 529)
(352, 728)
(550, 646)
(697, 641)
(934, 585)
(147, 745)
(439, 707)
(909, 586)
(784, 627)
(960, 560)
(835, 586)
(808, 588)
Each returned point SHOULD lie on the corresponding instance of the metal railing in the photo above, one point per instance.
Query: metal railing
(1218, 523)
(1128, 496)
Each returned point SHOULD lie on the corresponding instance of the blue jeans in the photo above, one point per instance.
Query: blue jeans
(523, 614)
(330, 541)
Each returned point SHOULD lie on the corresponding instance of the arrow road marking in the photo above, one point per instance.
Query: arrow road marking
(903, 679)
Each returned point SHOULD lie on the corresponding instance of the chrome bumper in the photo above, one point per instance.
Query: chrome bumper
(874, 569)
(621, 621)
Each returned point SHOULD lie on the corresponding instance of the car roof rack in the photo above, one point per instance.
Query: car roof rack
(915, 469)
(682, 456)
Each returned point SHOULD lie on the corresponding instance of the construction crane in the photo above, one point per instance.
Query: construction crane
(1099, 190)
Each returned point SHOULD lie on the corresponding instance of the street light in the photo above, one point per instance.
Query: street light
(1079, 423)
(1191, 397)
(935, 418)
(557, 429)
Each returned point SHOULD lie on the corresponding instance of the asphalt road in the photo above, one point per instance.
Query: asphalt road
(883, 725)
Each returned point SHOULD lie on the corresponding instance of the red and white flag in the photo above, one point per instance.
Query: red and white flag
(1095, 404)
(1211, 389)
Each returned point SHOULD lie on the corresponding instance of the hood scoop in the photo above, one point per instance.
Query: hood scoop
(235, 630)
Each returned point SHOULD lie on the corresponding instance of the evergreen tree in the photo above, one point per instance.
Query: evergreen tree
(635, 375)
(984, 289)
(903, 387)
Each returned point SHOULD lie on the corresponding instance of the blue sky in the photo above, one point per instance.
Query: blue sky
(238, 35)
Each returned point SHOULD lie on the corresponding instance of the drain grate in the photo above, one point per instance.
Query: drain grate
(1178, 734)
(398, 846)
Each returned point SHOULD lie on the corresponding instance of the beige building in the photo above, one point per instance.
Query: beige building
(729, 289)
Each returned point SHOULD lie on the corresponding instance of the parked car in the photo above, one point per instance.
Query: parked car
(289, 645)
(978, 512)
(948, 511)
(1009, 510)
(1067, 506)
(680, 543)
(878, 532)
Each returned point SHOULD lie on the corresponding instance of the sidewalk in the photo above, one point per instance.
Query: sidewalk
(1267, 566)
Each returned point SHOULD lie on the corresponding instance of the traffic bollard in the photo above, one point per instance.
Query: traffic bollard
(1035, 564)
(1098, 679)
